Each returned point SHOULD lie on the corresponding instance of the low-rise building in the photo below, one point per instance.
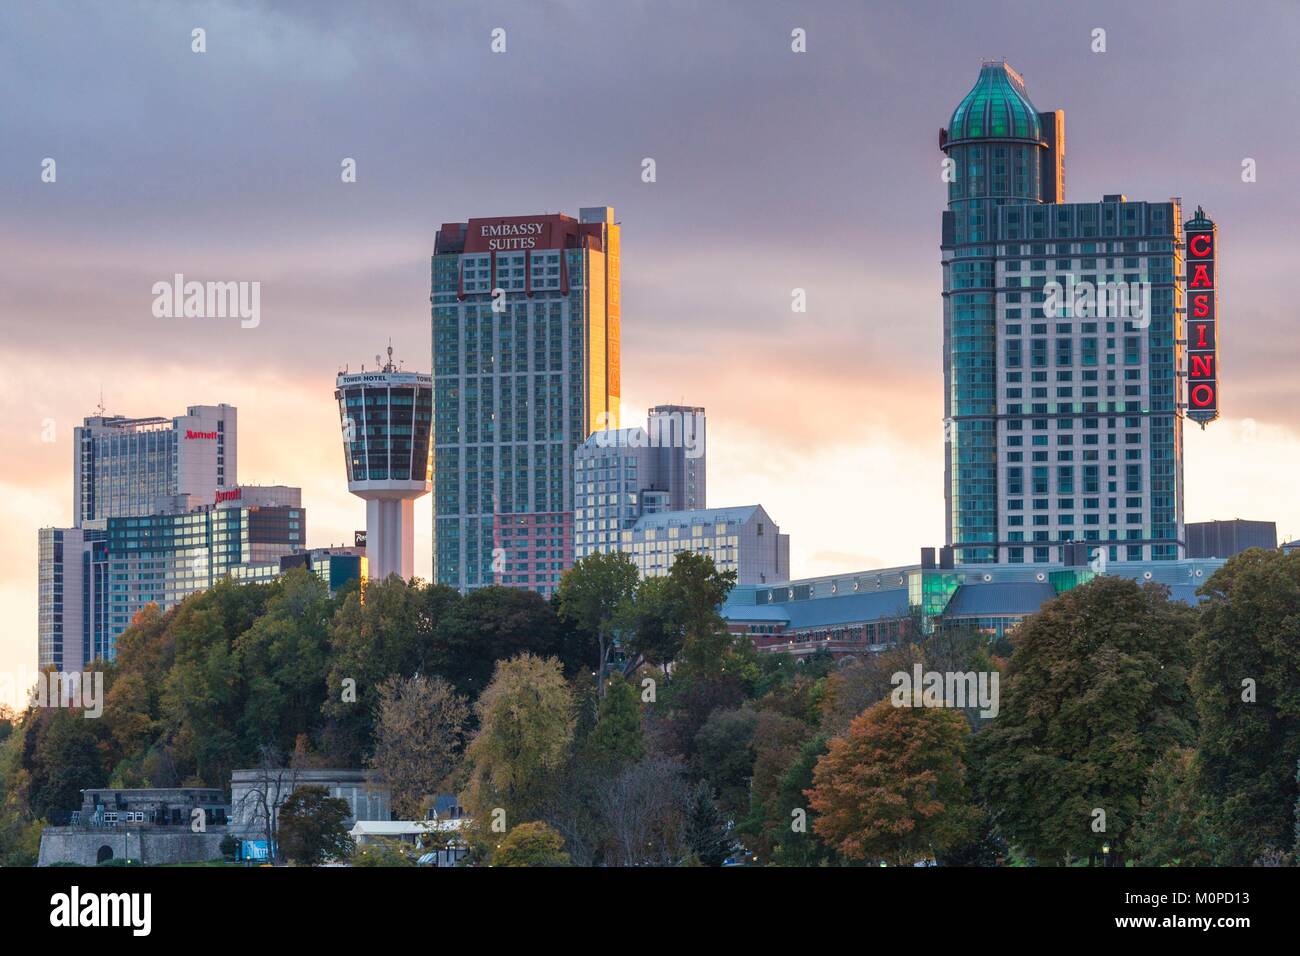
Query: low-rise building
(868, 611)
(152, 825)
(261, 791)
(744, 539)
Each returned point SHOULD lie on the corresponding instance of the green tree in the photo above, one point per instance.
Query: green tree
(61, 755)
(617, 737)
(655, 626)
(531, 844)
(724, 756)
(695, 592)
(1246, 681)
(313, 827)
(390, 633)
(789, 829)
(1173, 829)
(384, 853)
(894, 786)
(595, 595)
(525, 729)
(706, 834)
(282, 658)
(1096, 692)
(493, 624)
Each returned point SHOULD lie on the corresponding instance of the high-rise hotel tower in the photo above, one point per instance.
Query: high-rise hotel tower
(1062, 416)
(525, 367)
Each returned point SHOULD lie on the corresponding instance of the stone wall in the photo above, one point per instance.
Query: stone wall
(150, 845)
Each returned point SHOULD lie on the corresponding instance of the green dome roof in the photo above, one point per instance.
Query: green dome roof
(996, 108)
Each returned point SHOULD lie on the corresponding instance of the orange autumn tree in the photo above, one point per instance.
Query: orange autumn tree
(893, 787)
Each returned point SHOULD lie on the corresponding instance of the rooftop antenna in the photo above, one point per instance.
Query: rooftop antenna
(100, 408)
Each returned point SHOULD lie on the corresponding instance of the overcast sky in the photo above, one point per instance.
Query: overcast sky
(775, 170)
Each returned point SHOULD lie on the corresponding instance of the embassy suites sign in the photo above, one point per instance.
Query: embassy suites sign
(517, 233)
(507, 235)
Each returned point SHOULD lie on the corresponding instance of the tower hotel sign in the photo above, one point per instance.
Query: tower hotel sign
(1202, 320)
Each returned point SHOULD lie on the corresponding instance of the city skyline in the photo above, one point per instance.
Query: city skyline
(328, 257)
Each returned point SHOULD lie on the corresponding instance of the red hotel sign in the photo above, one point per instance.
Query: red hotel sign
(191, 434)
(1202, 320)
(233, 494)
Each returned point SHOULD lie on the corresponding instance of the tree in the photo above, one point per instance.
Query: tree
(531, 844)
(1095, 693)
(382, 853)
(493, 624)
(1246, 683)
(1173, 829)
(313, 827)
(392, 632)
(707, 835)
(894, 786)
(596, 596)
(643, 810)
(987, 848)
(777, 741)
(789, 828)
(617, 738)
(282, 658)
(724, 756)
(229, 847)
(695, 593)
(525, 729)
(418, 737)
(654, 631)
(62, 757)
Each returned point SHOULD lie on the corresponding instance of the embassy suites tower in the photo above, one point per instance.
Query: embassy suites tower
(525, 367)
(1062, 424)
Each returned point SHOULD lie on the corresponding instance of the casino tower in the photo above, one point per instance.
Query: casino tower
(1062, 348)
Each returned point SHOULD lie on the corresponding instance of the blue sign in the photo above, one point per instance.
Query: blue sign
(253, 850)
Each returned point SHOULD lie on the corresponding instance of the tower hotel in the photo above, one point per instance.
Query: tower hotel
(1062, 411)
(385, 416)
(525, 367)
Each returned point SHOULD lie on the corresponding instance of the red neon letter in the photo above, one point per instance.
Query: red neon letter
(1199, 246)
(1201, 278)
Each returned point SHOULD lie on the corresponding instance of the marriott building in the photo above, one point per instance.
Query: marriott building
(1062, 415)
(525, 367)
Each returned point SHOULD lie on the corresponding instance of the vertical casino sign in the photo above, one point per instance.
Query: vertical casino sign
(1202, 319)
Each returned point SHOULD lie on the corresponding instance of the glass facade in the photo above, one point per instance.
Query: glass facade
(162, 559)
(123, 466)
(525, 367)
(1061, 419)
